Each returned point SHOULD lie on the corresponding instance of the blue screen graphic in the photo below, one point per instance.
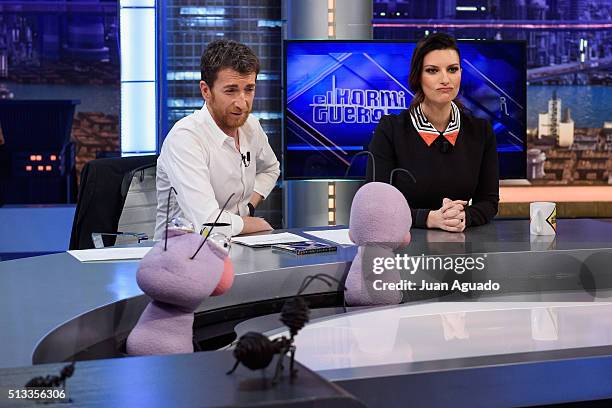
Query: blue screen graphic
(337, 91)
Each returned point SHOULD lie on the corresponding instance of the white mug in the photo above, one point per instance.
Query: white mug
(544, 324)
(543, 218)
(542, 242)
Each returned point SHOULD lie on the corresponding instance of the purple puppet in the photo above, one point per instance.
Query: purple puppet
(178, 282)
(380, 223)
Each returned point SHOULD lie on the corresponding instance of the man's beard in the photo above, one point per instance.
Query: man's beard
(231, 121)
(227, 120)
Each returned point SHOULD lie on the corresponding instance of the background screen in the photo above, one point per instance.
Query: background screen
(337, 91)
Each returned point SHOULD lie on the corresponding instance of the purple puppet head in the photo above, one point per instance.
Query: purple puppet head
(178, 273)
(171, 276)
(380, 223)
(380, 214)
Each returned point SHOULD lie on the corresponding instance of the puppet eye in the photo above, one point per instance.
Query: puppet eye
(181, 224)
(221, 240)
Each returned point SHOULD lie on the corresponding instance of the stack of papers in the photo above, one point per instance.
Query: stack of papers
(110, 254)
(260, 241)
(339, 236)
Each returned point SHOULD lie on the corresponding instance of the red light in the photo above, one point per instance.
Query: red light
(53, 157)
(28, 168)
(48, 168)
(32, 157)
(40, 168)
(38, 157)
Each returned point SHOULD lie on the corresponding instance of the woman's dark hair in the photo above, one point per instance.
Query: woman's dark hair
(436, 41)
(222, 54)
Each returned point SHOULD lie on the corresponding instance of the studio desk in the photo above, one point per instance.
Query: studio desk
(54, 308)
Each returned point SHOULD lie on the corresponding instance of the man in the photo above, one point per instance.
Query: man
(218, 150)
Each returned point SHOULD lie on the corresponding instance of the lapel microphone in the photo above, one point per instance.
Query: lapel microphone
(246, 159)
(444, 146)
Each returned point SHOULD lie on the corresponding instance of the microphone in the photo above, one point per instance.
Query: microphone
(402, 170)
(246, 159)
(361, 154)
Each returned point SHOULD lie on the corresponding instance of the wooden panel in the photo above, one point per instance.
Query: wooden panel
(602, 209)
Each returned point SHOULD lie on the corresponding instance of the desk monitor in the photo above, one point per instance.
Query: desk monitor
(336, 92)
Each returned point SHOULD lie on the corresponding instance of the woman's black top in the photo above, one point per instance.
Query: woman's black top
(468, 170)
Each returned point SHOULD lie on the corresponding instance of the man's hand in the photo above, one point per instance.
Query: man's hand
(450, 217)
(255, 224)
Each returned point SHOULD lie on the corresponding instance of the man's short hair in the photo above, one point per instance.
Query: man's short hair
(221, 54)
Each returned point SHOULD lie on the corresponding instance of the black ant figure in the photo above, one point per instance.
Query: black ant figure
(255, 351)
(52, 381)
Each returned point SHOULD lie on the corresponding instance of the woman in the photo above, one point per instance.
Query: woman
(452, 155)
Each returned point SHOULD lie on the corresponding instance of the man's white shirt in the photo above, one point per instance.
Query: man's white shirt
(205, 168)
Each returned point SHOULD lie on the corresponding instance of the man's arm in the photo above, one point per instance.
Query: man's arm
(252, 223)
(255, 199)
(268, 168)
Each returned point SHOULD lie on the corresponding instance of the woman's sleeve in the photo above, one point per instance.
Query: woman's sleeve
(383, 150)
(485, 200)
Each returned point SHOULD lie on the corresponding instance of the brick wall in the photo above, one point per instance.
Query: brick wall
(93, 132)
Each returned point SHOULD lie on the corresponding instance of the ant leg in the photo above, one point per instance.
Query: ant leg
(233, 368)
(292, 368)
(279, 368)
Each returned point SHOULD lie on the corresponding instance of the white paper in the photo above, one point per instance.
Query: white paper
(110, 254)
(271, 239)
(339, 236)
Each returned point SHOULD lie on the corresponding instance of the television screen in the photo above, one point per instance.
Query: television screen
(337, 91)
